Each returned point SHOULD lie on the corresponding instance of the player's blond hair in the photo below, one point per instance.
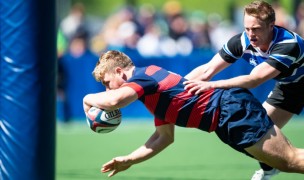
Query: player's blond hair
(261, 10)
(108, 61)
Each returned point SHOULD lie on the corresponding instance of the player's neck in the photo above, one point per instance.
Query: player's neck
(129, 72)
(267, 44)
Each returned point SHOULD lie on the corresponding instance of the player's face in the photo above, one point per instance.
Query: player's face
(112, 81)
(258, 32)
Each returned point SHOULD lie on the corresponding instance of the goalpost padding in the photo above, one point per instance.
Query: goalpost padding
(27, 89)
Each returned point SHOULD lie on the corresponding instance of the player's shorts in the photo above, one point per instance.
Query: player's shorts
(289, 97)
(243, 120)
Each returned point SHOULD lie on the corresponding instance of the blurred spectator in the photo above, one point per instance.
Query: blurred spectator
(170, 31)
(300, 19)
(122, 29)
(149, 43)
(178, 27)
(178, 40)
(300, 12)
(73, 20)
(171, 9)
(77, 18)
(146, 17)
(75, 72)
(200, 36)
(283, 19)
(220, 31)
(165, 33)
(300, 28)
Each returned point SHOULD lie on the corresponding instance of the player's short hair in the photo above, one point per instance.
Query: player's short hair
(261, 10)
(108, 61)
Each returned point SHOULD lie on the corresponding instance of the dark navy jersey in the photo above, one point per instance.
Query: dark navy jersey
(162, 92)
(285, 53)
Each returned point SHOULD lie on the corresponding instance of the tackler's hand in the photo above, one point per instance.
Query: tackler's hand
(197, 87)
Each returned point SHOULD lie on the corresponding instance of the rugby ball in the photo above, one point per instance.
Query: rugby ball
(103, 121)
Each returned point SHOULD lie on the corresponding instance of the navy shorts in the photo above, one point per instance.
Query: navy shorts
(243, 120)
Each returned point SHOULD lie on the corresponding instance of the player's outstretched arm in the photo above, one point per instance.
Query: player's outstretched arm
(163, 136)
(111, 99)
(206, 71)
(258, 75)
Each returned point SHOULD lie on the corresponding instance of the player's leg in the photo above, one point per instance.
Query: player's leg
(283, 102)
(275, 150)
(280, 118)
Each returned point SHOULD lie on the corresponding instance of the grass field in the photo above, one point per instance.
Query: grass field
(195, 155)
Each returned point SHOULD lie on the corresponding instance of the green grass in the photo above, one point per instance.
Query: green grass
(194, 155)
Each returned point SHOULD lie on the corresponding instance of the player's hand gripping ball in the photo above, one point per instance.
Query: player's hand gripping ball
(103, 121)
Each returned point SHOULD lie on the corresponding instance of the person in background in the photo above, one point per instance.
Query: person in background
(275, 52)
(75, 19)
(300, 19)
(237, 118)
(74, 67)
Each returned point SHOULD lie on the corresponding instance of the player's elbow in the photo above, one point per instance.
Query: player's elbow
(166, 140)
(169, 140)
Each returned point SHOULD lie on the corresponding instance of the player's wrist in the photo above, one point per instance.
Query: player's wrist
(129, 160)
(213, 84)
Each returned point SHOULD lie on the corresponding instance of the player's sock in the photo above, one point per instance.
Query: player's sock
(265, 167)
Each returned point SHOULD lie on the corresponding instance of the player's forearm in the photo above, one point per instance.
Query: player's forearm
(199, 73)
(194, 74)
(107, 100)
(150, 149)
(206, 71)
(241, 81)
(100, 100)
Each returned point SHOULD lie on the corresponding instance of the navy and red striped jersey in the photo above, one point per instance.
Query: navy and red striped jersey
(162, 92)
